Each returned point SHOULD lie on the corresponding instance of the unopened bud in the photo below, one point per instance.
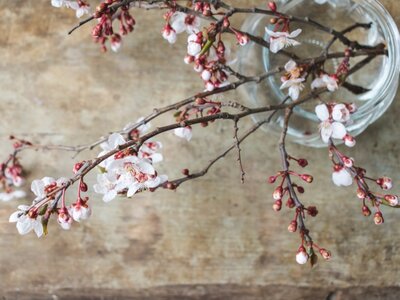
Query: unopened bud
(272, 179)
(378, 218)
(325, 254)
(385, 183)
(392, 199)
(361, 193)
(290, 203)
(226, 23)
(185, 172)
(272, 6)
(278, 193)
(200, 101)
(302, 162)
(301, 256)
(277, 205)
(292, 226)
(300, 189)
(366, 211)
(312, 211)
(83, 186)
(307, 178)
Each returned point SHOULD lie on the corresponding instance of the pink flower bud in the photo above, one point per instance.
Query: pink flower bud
(312, 211)
(277, 205)
(301, 256)
(226, 23)
(348, 162)
(349, 141)
(188, 59)
(83, 186)
(392, 199)
(307, 178)
(272, 179)
(292, 226)
(300, 189)
(302, 162)
(351, 107)
(242, 38)
(378, 218)
(185, 172)
(361, 194)
(366, 211)
(385, 183)
(278, 193)
(290, 203)
(272, 6)
(325, 254)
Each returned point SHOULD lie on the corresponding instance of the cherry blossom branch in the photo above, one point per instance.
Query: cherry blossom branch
(189, 176)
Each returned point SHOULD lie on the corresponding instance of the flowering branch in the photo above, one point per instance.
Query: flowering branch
(127, 161)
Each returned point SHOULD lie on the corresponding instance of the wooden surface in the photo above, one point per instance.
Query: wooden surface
(212, 239)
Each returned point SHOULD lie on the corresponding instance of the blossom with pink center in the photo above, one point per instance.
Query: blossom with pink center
(294, 82)
(181, 22)
(340, 113)
(325, 80)
(169, 34)
(134, 174)
(279, 40)
(25, 222)
(42, 187)
(10, 195)
(328, 128)
(80, 210)
(113, 141)
(81, 8)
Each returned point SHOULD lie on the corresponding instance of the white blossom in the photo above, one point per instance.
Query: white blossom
(41, 187)
(328, 128)
(106, 185)
(330, 82)
(340, 113)
(114, 140)
(279, 40)
(25, 223)
(295, 82)
(181, 22)
(194, 45)
(80, 211)
(341, 177)
(8, 196)
(169, 34)
(184, 132)
(134, 174)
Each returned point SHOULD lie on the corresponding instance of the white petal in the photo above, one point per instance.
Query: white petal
(38, 227)
(290, 65)
(317, 83)
(133, 189)
(295, 33)
(115, 139)
(110, 195)
(338, 130)
(294, 92)
(322, 112)
(15, 216)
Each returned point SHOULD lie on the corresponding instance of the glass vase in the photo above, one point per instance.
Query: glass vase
(379, 78)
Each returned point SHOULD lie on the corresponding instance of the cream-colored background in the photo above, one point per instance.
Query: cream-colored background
(213, 236)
